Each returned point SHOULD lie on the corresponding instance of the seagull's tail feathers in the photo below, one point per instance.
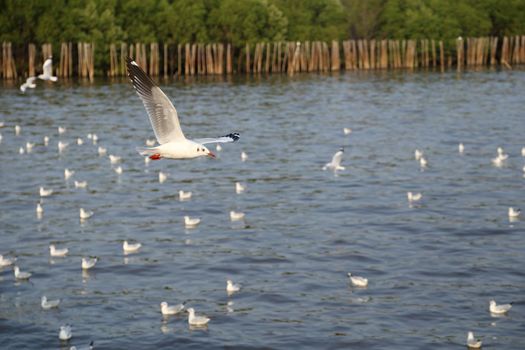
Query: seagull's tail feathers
(53, 78)
(146, 151)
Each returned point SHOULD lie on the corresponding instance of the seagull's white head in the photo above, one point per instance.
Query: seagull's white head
(203, 151)
(493, 303)
(163, 304)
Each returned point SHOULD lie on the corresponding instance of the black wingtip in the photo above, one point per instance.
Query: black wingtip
(234, 136)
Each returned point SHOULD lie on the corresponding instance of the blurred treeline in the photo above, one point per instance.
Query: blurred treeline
(249, 21)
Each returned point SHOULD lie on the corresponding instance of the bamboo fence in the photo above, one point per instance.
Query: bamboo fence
(199, 59)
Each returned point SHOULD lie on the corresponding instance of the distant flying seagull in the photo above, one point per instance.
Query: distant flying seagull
(335, 164)
(48, 70)
(165, 122)
(30, 83)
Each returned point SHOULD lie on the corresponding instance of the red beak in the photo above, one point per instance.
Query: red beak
(211, 154)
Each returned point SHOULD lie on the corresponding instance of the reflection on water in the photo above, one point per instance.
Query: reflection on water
(432, 266)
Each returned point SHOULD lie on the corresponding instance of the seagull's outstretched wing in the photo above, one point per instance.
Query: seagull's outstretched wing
(336, 159)
(162, 115)
(48, 67)
(222, 139)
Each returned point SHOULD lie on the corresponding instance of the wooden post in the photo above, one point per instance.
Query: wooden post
(179, 60)
(336, 63)
(229, 67)
(268, 59)
(441, 56)
(373, 54)
(165, 61)
(247, 53)
(504, 52)
(459, 52)
(31, 50)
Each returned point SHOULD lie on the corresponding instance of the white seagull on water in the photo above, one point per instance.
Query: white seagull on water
(49, 304)
(88, 263)
(358, 281)
(30, 83)
(65, 332)
(55, 252)
(48, 70)
(232, 287)
(166, 310)
(335, 164)
(19, 275)
(499, 309)
(473, 343)
(165, 122)
(131, 247)
(199, 321)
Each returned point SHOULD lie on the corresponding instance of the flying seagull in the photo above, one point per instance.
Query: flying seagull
(30, 83)
(48, 70)
(165, 122)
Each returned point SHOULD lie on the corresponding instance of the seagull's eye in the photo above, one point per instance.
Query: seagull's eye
(198, 149)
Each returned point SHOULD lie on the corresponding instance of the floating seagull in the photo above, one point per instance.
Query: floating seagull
(335, 164)
(358, 281)
(498, 161)
(191, 222)
(347, 131)
(80, 184)
(18, 129)
(46, 141)
(62, 146)
(196, 320)
(30, 83)
(21, 150)
(65, 332)
(114, 159)
(423, 162)
(89, 136)
(85, 214)
(184, 195)
(118, 170)
(89, 347)
(94, 139)
(6, 261)
(514, 213)
(418, 154)
(231, 287)
(414, 197)
(88, 263)
(171, 310)
(39, 210)
(68, 173)
(473, 343)
(54, 252)
(499, 309)
(62, 130)
(162, 177)
(236, 216)
(48, 70)
(102, 151)
(461, 148)
(80, 142)
(239, 188)
(19, 275)
(523, 151)
(218, 148)
(131, 247)
(49, 304)
(45, 192)
(29, 146)
(165, 122)
(244, 156)
(150, 143)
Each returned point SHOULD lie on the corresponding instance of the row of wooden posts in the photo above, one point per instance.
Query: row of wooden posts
(279, 57)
